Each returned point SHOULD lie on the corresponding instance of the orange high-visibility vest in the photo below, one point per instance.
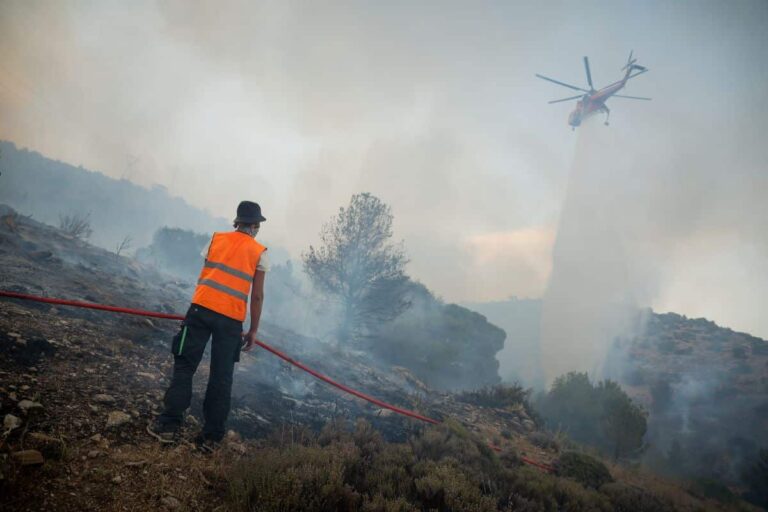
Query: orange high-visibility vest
(227, 274)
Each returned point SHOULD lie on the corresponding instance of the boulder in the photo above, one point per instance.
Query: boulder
(28, 457)
(49, 446)
(170, 502)
(11, 422)
(117, 418)
(29, 407)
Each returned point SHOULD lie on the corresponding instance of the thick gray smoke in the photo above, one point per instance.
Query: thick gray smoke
(433, 107)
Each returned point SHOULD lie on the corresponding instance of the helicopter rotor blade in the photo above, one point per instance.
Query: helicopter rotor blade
(631, 97)
(589, 75)
(566, 99)
(562, 83)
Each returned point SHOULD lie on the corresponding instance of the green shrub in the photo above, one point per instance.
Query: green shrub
(601, 415)
(586, 470)
(621, 421)
(367, 439)
(530, 489)
(544, 440)
(497, 396)
(510, 459)
(289, 435)
(756, 478)
(444, 486)
(390, 474)
(335, 431)
(444, 468)
(380, 504)
(570, 404)
(667, 346)
(176, 250)
(626, 498)
(451, 440)
(739, 352)
(299, 478)
(712, 489)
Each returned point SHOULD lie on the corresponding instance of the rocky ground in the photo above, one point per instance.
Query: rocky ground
(78, 388)
(706, 390)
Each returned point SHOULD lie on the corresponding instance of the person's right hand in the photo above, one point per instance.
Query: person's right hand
(250, 341)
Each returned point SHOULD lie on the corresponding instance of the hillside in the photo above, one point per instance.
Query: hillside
(519, 360)
(47, 189)
(705, 387)
(79, 386)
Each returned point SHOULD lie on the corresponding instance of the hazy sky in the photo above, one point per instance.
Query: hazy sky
(433, 107)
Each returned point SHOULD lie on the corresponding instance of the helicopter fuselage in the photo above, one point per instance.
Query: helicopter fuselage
(594, 102)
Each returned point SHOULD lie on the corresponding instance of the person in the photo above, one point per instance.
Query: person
(235, 264)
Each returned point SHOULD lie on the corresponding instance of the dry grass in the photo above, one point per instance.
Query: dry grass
(443, 468)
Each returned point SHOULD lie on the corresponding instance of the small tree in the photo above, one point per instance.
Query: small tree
(623, 422)
(571, 405)
(602, 415)
(124, 245)
(76, 225)
(358, 264)
(176, 250)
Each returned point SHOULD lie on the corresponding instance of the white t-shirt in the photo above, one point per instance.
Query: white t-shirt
(263, 260)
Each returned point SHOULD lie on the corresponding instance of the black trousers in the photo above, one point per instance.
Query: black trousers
(188, 347)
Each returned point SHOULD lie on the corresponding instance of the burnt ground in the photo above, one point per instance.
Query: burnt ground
(79, 368)
(78, 388)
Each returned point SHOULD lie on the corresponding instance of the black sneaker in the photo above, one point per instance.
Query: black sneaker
(206, 444)
(164, 433)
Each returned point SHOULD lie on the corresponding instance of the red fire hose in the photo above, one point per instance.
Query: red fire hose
(89, 305)
(281, 355)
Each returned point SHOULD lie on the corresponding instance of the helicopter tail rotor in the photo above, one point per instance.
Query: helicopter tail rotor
(631, 66)
(630, 61)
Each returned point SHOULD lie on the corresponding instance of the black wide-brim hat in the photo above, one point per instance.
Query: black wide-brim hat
(249, 212)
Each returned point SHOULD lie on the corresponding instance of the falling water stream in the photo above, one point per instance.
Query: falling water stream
(590, 297)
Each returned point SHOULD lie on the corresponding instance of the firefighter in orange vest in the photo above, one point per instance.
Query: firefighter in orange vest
(234, 269)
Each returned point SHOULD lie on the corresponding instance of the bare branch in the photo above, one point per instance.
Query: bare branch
(124, 245)
(76, 225)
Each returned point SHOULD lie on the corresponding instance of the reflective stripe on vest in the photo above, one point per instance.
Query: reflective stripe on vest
(223, 288)
(225, 280)
(228, 270)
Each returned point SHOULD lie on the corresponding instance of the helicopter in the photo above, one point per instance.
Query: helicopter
(593, 101)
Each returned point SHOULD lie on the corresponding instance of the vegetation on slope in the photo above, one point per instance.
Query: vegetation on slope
(442, 468)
